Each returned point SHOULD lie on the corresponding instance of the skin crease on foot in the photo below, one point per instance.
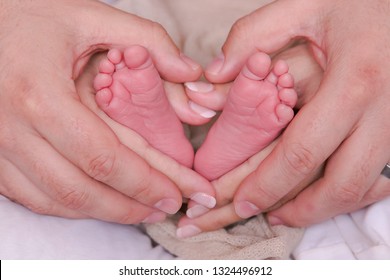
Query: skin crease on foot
(258, 107)
(130, 90)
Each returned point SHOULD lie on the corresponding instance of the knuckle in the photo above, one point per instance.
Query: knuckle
(349, 194)
(268, 196)
(142, 188)
(240, 27)
(41, 208)
(32, 100)
(129, 219)
(102, 166)
(157, 27)
(159, 32)
(300, 160)
(72, 198)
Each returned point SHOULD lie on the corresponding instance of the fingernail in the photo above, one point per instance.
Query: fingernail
(204, 199)
(216, 65)
(275, 221)
(196, 211)
(155, 218)
(246, 209)
(168, 205)
(202, 111)
(199, 87)
(187, 231)
(190, 62)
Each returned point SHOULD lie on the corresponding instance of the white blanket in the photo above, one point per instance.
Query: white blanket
(364, 234)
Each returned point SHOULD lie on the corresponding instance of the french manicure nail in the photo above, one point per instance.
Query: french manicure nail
(204, 199)
(202, 111)
(274, 221)
(196, 211)
(154, 218)
(246, 209)
(199, 87)
(187, 231)
(168, 205)
(216, 65)
(190, 62)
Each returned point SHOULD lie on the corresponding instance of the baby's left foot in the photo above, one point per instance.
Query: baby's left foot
(130, 91)
(258, 107)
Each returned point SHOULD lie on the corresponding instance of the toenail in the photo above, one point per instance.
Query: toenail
(246, 209)
(204, 199)
(187, 231)
(169, 206)
(199, 87)
(202, 111)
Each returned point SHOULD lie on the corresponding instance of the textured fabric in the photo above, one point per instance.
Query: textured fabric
(252, 239)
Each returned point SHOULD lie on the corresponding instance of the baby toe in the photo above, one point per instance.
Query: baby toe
(258, 66)
(103, 98)
(288, 96)
(286, 81)
(102, 81)
(106, 66)
(114, 55)
(284, 114)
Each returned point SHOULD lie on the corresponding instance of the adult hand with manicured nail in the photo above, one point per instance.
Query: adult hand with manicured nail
(346, 123)
(57, 157)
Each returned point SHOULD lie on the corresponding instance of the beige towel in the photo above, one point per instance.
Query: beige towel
(253, 239)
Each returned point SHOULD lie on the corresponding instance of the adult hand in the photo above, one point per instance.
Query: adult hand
(346, 124)
(224, 213)
(56, 156)
(307, 75)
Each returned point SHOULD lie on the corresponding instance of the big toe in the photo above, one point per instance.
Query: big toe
(257, 67)
(137, 57)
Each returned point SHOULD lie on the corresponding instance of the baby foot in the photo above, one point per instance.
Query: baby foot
(130, 91)
(258, 107)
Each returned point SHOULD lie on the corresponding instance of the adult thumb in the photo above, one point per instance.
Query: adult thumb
(267, 29)
(108, 27)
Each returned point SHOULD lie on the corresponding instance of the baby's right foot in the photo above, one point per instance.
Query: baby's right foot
(258, 107)
(130, 91)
